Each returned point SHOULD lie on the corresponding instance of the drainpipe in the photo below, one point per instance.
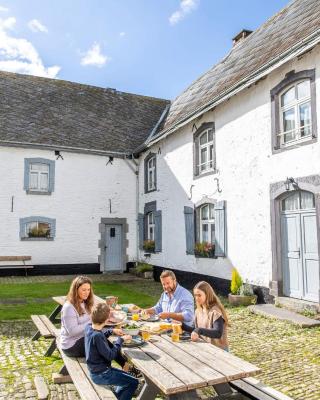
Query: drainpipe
(135, 169)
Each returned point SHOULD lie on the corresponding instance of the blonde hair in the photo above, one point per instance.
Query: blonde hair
(100, 313)
(166, 273)
(73, 296)
(211, 299)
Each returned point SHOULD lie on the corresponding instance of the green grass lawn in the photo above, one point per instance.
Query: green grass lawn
(22, 300)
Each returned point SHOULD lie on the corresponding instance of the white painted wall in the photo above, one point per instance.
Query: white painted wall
(83, 187)
(246, 167)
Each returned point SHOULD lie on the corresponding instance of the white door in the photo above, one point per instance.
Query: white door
(300, 258)
(113, 248)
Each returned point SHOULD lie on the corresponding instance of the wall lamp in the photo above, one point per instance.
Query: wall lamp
(291, 181)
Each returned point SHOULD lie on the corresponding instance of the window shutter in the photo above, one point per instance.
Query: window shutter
(141, 230)
(220, 229)
(158, 230)
(189, 228)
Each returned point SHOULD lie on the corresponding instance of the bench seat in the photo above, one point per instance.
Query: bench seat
(78, 371)
(15, 262)
(47, 330)
(256, 390)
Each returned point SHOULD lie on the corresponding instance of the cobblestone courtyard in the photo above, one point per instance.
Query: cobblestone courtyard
(288, 356)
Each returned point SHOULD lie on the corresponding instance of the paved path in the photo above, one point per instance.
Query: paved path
(269, 310)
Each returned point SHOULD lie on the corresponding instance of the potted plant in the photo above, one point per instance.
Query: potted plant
(144, 269)
(204, 249)
(241, 293)
(149, 245)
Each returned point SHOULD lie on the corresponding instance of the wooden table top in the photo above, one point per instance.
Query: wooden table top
(176, 367)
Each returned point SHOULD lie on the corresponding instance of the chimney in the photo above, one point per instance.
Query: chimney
(241, 36)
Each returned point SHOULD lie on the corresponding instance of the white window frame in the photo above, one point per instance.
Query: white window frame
(295, 104)
(151, 173)
(209, 222)
(150, 226)
(208, 165)
(39, 174)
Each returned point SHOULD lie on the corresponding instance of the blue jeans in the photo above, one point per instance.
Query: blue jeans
(126, 383)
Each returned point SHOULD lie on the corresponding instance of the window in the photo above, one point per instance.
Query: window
(293, 111)
(300, 200)
(37, 228)
(150, 226)
(39, 176)
(151, 166)
(295, 114)
(204, 150)
(150, 173)
(207, 223)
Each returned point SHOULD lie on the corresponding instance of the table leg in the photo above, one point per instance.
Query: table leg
(223, 389)
(51, 348)
(54, 313)
(190, 395)
(149, 391)
(36, 336)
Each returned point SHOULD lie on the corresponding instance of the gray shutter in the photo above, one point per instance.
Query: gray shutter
(141, 229)
(189, 228)
(220, 229)
(158, 231)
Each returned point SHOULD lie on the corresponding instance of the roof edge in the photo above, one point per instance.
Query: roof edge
(68, 149)
(294, 51)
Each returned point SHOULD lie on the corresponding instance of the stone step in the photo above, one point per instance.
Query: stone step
(269, 310)
(296, 305)
(41, 387)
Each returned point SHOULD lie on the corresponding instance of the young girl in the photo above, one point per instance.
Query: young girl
(211, 320)
(75, 315)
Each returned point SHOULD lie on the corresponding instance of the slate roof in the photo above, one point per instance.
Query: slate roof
(281, 32)
(64, 114)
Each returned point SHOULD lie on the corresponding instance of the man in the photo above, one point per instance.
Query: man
(175, 302)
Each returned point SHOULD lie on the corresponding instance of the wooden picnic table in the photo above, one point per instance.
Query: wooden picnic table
(177, 369)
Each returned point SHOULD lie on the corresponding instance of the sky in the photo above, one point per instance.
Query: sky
(150, 47)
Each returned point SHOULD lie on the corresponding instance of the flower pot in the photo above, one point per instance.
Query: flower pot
(240, 300)
(148, 274)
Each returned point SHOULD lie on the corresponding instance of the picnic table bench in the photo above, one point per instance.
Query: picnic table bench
(15, 262)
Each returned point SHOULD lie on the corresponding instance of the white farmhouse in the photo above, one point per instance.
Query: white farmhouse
(227, 175)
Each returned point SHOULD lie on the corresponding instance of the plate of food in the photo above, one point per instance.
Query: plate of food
(134, 342)
(131, 328)
(149, 318)
(116, 318)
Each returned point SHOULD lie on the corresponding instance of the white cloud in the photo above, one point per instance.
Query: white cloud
(121, 34)
(19, 55)
(186, 7)
(36, 26)
(94, 57)
(3, 9)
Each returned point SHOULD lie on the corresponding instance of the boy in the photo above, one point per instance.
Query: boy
(100, 352)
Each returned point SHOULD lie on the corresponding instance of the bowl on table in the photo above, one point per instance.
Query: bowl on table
(131, 328)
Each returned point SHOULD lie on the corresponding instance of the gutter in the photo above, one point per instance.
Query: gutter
(298, 49)
(116, 154)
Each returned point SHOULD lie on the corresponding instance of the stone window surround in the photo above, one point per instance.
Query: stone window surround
(290, 78)
(26, 220)
(50, 163)
(196, 135)
(278, 192)
(151, 206)
(102, 241)
(148, 157)
(197, 206)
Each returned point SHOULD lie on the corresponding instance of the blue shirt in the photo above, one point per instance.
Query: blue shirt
(181, 301)
(99, 352)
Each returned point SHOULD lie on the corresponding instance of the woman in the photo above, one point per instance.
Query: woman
(211, 320)
(75, 315)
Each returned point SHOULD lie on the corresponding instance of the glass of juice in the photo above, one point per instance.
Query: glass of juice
(175, 337)
(176, 328)
(135, 317)
(145, 335)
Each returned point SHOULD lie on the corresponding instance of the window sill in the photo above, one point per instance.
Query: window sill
(36, 239)
(212, 172)
(150, 191)
(209, 257)
(279, 149)
(38, 192)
